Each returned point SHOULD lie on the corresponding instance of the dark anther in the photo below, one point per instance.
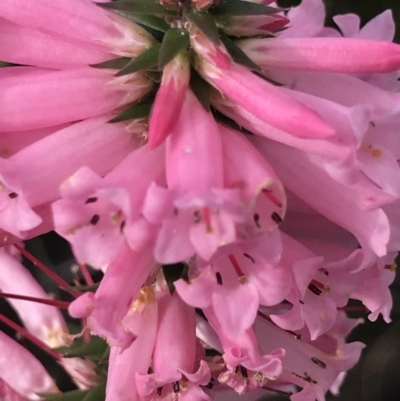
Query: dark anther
(256, 218)
(91, 200)
(159, 391)
(297, 336)
(218, 277)
(308, 378)
(314, 289)
(122, 226)
(249, 257)
(175, 387)
(276, 218)
(243, 371)
(197, 216)
(324, 271)
(237, 368)
(95, 219)
(13, 195)
(319, 362)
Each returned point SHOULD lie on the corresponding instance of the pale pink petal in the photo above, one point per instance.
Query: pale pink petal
(48, 98)
(344, 55)
(13, 142)
(22, 45)
(22, 371)
(43, 321)
(349, 24)
(252, 93)
(344, 205)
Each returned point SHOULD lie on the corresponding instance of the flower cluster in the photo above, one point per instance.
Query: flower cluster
(232, 169)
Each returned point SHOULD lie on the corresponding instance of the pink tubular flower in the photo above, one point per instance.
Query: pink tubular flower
(142, 320)
(43, 321)
(230, 169)
(22, 372)
(175, 374)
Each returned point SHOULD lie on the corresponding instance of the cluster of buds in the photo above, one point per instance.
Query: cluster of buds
(232, 169)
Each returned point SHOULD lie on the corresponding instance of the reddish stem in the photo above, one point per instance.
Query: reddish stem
(235, 264)
(354, 309)
(86, 274)
(55, 277)
(53, 302)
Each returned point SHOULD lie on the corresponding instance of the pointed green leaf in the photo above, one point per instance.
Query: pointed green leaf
(147, 60)
(175, 40)
(141, 110)
(265, 78)
(147, 7)
(96, 346)
(238, 54)
(224, 120)
(200, 88)
(115, 64)
(74, 395)
(5, 64)
(242, 8)
(96, 394)
(205, 23)
(150, 21)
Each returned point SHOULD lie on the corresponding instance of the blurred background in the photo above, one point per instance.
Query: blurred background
(375, 378)
(366, 9)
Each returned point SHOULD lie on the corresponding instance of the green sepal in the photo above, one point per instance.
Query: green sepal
(175, 40)
(74, 395)
(115, 64)
(205, 23)
(173, 273)
(200, 88)
(145, 61)
(238, 55)
(96, 394)
(141, 110)
(95, 348)
(242, 8)
(150, 21)
(265, 78)
(224, 120)
(146, 7)
(5, 64)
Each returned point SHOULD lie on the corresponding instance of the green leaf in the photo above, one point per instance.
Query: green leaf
(96, 394)
(205, 23)
(242, 8)
(200, 88)
(96, 346)
(146, 7)
(141, 110)
(238, 54)
(175, 40)
(115, 64)
(150, 21)
(5, 64)
(147, 60)
(74, 395)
